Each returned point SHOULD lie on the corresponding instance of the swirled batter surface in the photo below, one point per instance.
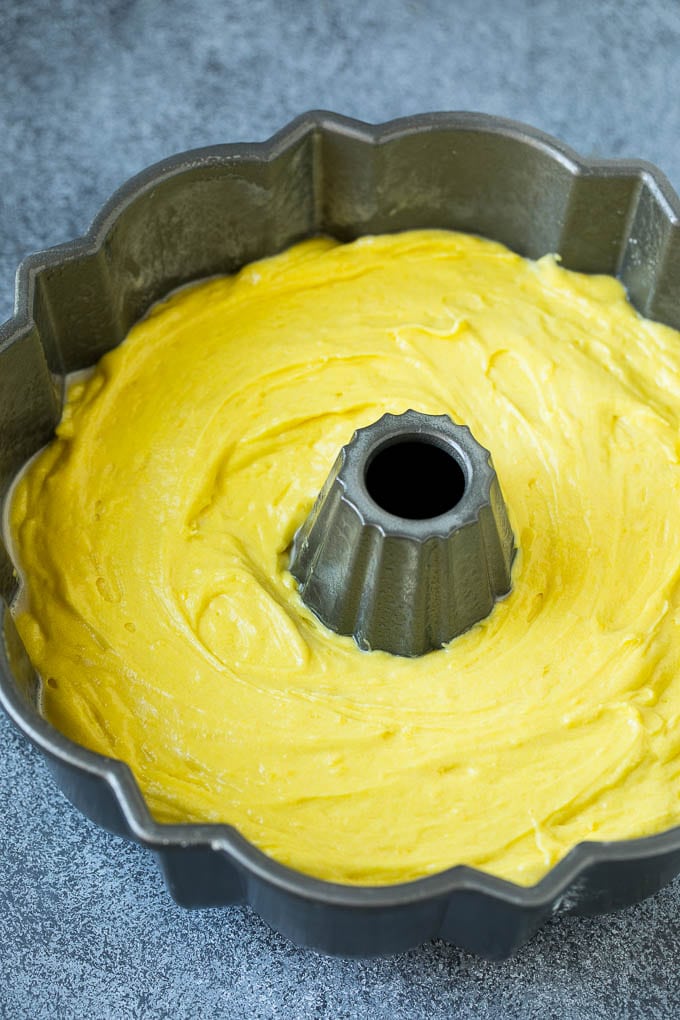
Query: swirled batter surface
(154, 535)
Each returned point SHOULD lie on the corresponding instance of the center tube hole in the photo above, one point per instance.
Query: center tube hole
(415, 478)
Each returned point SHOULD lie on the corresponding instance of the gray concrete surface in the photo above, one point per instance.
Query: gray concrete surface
(92, 92)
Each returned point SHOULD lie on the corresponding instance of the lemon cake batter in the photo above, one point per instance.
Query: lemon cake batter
(154, 535)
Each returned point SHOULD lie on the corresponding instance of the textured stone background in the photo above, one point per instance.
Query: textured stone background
(92, 92)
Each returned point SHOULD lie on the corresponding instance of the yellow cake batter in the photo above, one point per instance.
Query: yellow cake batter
(154, 533)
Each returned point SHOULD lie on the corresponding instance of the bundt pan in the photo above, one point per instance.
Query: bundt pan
(210, 211)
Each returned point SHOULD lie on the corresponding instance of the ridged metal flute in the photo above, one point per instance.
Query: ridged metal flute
(408, 544)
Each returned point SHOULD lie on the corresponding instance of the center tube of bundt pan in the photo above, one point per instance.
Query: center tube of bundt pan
(408, 544)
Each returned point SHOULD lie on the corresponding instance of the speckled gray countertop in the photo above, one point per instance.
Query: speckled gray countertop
(91, 93)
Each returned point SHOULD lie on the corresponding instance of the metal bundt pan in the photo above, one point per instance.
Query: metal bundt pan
(210, 211)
